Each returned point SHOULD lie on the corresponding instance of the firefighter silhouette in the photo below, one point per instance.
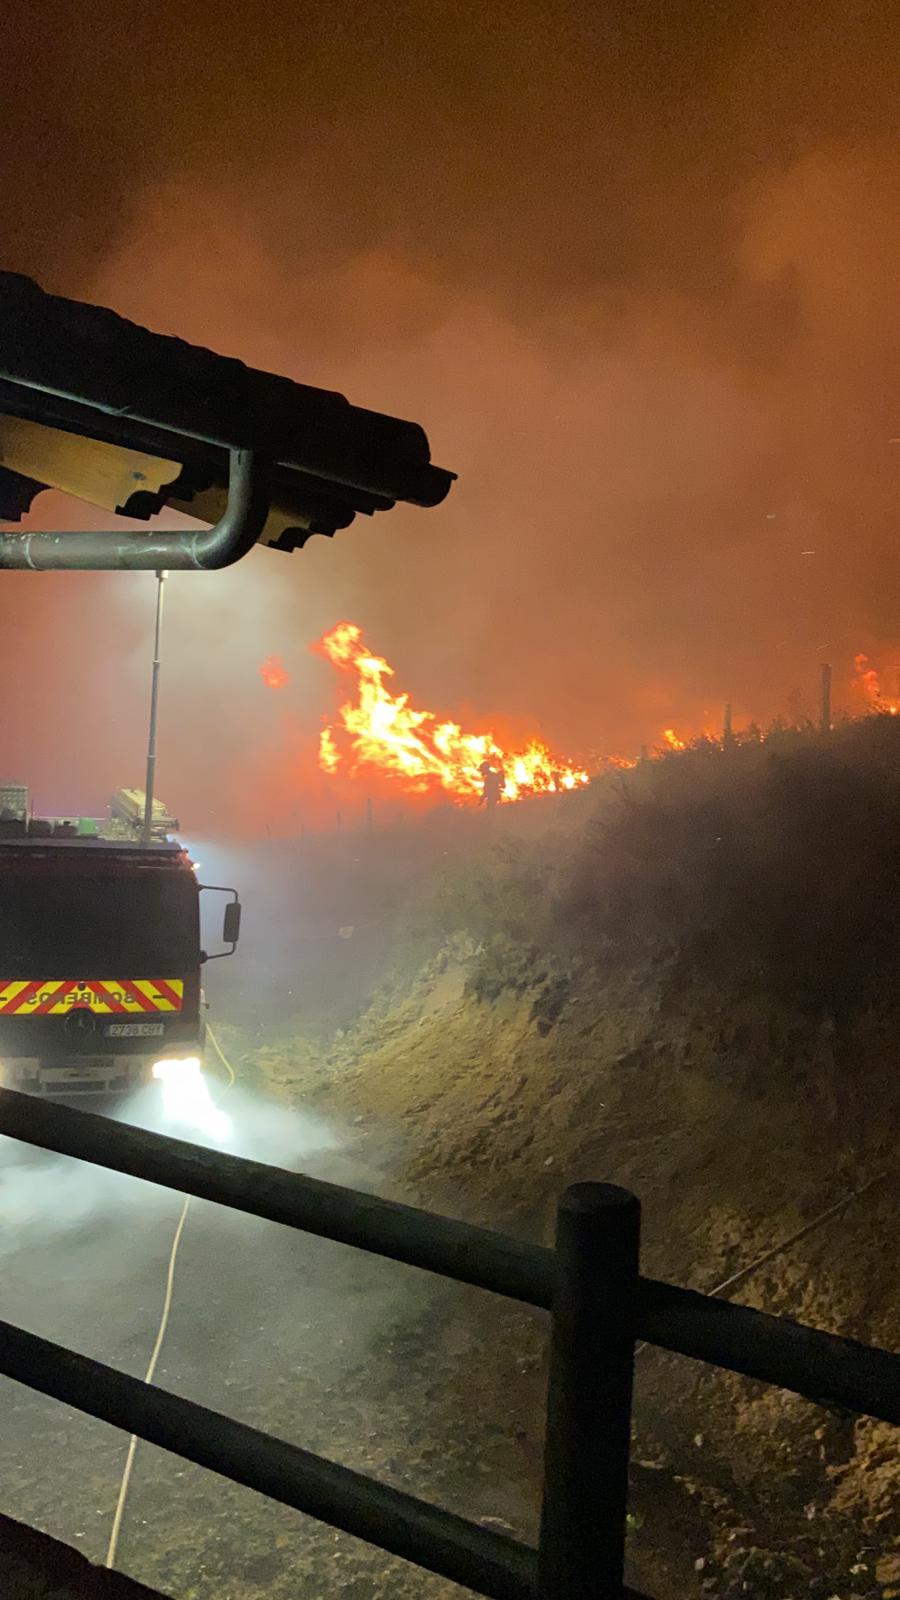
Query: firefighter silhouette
(493, 784)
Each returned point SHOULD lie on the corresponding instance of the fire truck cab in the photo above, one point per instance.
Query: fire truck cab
(100, 952)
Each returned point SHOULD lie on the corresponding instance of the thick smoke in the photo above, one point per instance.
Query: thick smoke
(634, 273)
(49, 1198)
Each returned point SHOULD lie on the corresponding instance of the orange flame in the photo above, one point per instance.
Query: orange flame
(273, 673)
(867, 677)
(425, 752)
(329, 758)
(672, 741)
(869, 680)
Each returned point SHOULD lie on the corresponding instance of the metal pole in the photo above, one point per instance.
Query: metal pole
(727, 729)
(825, 702)
(154, 699)
(582, 1543)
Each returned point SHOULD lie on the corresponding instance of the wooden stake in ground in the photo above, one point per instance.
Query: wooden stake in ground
(825, 700)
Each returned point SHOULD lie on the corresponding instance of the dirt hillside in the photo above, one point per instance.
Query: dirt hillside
(690, 989)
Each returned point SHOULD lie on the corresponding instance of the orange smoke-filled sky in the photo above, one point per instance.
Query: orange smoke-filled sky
(632, 267)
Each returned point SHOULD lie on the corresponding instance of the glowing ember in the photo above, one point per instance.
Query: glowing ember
(423, 751)
(869, 679)
(273, 673)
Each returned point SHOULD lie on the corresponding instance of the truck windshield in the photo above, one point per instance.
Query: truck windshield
(80, 926)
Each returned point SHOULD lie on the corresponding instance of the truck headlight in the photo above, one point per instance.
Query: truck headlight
(166, 1068)
(187, 1102)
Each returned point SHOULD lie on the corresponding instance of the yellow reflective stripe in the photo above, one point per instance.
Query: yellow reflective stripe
(85, 1000)
(11, 988)
(160, 1002)
(116, 998)
(32, 1004)
(46, 991)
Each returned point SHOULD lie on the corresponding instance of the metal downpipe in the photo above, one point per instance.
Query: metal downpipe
(134, 550)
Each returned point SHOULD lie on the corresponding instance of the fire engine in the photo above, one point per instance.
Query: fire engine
(100, 955)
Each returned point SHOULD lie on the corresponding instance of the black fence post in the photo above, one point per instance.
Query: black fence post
(582, 1543)
(825, 700)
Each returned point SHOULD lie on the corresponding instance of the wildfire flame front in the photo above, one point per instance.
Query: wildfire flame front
(423, 751)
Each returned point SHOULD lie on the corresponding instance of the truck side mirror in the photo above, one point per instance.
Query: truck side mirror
(231, 927)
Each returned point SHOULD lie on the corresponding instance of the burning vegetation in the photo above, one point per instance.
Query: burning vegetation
(382, 738)
(870, 680)
(429, 754)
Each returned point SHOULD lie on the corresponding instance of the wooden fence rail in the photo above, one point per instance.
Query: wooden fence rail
(599, 1304)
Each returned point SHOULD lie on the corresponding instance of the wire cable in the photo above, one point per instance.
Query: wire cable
(783, 1244)
(221, 1055)
(125, 1482)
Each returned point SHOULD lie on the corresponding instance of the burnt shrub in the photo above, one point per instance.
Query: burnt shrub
(775, 865)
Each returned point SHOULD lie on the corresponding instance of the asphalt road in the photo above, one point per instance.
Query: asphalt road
(307, 1339)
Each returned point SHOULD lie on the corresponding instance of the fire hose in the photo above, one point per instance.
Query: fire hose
(720, 1288)
(125, 1481)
